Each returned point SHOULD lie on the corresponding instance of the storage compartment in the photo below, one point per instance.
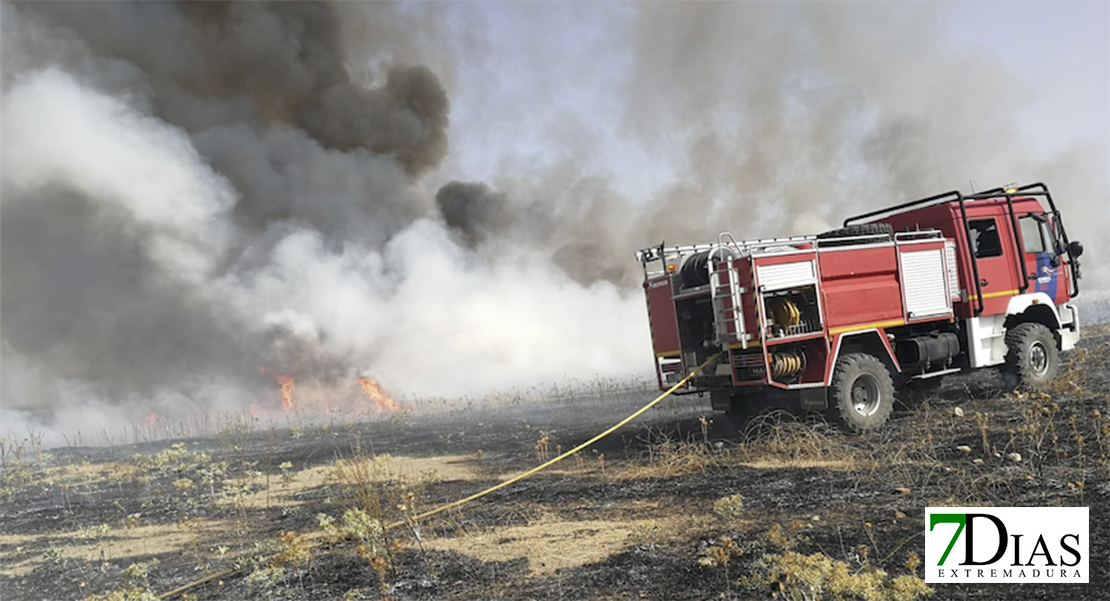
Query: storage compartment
(792, 312)
(695, 322)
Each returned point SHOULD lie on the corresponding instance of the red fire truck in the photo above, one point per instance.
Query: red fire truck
(894, 300)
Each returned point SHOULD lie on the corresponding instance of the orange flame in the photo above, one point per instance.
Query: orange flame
(382, 401)
(288, 387)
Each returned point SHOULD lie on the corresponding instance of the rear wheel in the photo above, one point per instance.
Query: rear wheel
(862, 392)
(742, 408)
(748, 403)
(1032, 358)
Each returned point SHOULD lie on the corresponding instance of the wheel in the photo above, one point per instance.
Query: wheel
(862, 229)
(862, 392)
(738, 419)
(746, 406)
(742, 408)
(1032, 358)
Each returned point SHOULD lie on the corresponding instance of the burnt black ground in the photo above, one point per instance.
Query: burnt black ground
(917, 451)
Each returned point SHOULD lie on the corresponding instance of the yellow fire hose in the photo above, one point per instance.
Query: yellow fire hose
(496, 487)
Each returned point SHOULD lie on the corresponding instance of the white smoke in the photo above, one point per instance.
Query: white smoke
(432, 318)
(192, 193)
(59, 133)
(423, 314)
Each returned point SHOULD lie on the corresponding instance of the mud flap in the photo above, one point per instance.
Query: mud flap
(720, 400)
(814, 399)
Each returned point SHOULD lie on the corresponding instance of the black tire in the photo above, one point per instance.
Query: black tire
(862, 229)
(751, 403)
(862, 392)
(1032, 358)
(742, 408)
(738, 419)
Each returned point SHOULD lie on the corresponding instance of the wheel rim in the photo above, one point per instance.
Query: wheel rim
(866, 396)
(1038, 359)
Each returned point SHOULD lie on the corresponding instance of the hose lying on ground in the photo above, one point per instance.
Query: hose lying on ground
(478, 495)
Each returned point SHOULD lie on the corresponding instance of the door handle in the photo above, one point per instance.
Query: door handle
(984, 282)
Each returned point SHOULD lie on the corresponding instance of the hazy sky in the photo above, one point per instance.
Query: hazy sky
(1059, 52)
(570, 56)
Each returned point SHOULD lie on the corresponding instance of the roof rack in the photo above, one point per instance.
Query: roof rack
(1036, 190)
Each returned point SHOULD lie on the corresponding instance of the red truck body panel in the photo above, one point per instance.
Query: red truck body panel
(661, 314)
(1000, 272)
(784, 308)
(860, 287)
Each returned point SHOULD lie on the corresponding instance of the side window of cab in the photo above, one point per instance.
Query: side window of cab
(1032, 233)
(985, 241)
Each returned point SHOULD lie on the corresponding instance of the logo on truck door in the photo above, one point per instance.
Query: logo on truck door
(1046, 275)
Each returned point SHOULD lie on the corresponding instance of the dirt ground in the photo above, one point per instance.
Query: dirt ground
(678, 505)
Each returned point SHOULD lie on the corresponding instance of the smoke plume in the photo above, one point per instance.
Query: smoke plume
(196, 196)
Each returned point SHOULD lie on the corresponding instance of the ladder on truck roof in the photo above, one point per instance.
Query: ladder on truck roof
(768, 246)
(1035, 190)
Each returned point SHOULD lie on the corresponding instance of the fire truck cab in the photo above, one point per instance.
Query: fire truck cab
(888, 304)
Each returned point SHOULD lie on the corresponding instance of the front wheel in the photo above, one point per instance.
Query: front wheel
(1032, 358)
(862, 392)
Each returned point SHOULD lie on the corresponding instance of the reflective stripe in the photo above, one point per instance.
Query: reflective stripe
(996, 294)
(868, 326)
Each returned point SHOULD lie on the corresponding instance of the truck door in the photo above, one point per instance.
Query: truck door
(998, 272)
(1046, 269)
(1065, 282)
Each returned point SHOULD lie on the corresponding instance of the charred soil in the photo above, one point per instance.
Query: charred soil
(679, 505)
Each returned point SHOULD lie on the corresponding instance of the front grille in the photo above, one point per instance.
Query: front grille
(749, 366)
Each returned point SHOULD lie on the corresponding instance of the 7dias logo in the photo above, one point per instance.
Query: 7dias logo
(1006, 544)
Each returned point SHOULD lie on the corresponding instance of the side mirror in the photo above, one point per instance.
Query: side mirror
(1075, 248)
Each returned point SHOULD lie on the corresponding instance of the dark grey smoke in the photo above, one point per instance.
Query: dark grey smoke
(196, 197)
(777, 119)
(192, 193)
(473, 210)
(123, 283)
(203, 64)
(345, 117)
(83, 298)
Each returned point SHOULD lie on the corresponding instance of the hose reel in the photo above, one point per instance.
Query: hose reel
(696, 267)
(786, 364)
(785, 312)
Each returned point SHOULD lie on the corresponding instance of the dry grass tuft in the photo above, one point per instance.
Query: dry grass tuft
(771, 441)
(795, 576)
(776, 440)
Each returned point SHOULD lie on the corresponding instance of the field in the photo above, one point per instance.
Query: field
(678, 505)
